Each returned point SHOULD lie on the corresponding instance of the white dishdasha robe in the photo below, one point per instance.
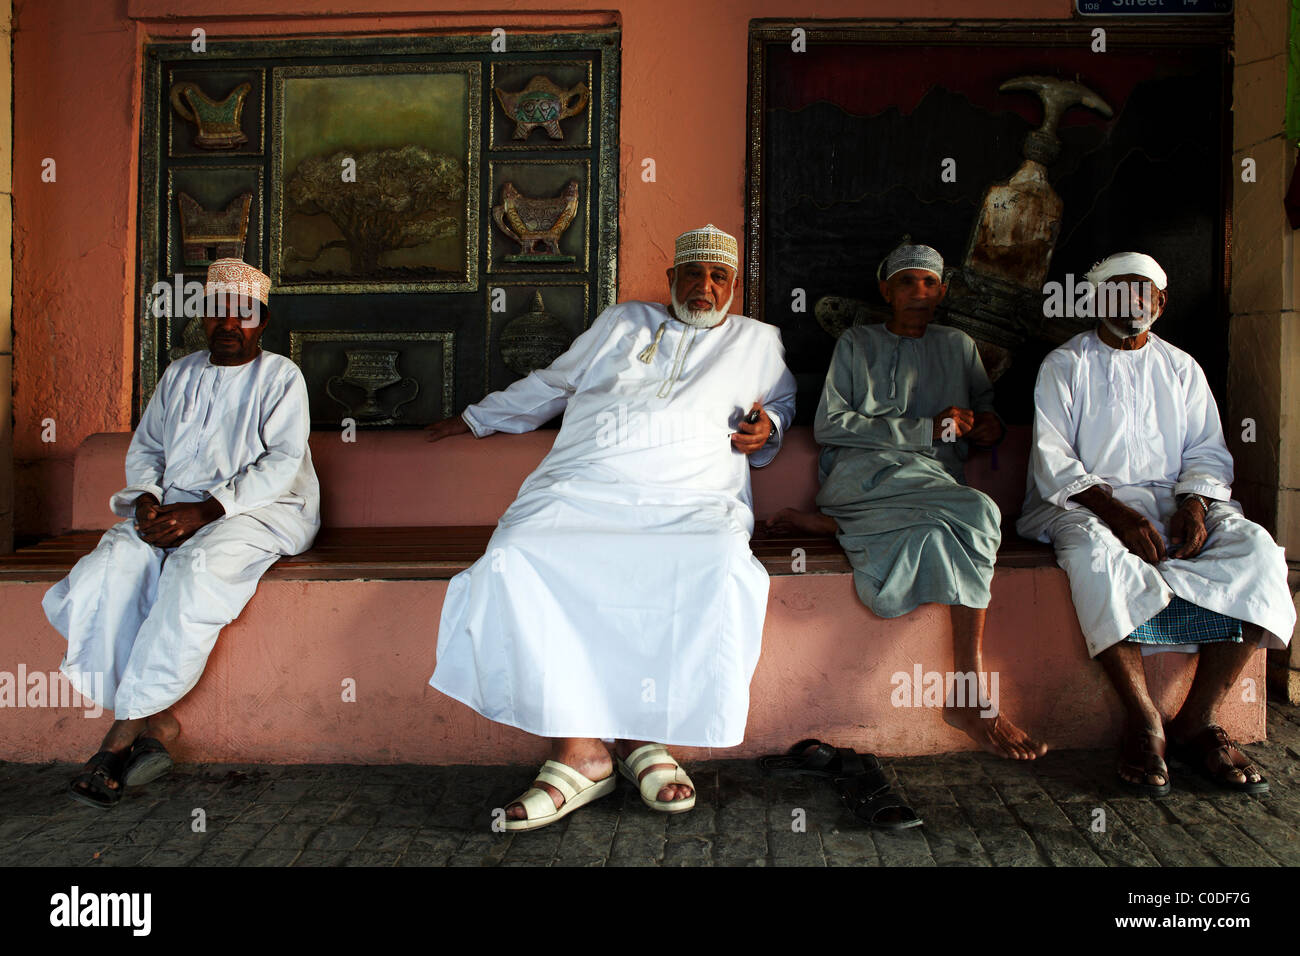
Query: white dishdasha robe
(1145, 423)
(147, 618)
(618, 597)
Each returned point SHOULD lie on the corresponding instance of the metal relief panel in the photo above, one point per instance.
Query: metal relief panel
(374, 177)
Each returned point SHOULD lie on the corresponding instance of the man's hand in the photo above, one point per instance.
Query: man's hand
(455, 425)
(959, 420)
(1137, 533)
(1187, 527)
(987, 430)
(146, 509)
(169, 526)
(752, 437)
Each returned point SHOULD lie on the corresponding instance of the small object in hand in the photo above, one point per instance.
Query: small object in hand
(753, 417)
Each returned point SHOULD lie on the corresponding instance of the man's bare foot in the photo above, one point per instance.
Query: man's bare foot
(670, 792)
(588, 757)
(791, 520)
(995, 734)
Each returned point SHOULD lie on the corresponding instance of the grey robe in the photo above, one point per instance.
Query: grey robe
(914, 532)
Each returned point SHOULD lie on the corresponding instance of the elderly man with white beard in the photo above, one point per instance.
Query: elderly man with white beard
(1130, 479)
(618, 598)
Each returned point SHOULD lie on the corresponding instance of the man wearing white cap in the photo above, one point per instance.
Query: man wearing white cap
(1130, 479)
(220, 484)
(618, 598)
(903, 403)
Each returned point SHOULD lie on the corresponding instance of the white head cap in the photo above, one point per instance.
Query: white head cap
(1128, 263)
(909, 256)
(236, 275)
(707, 244)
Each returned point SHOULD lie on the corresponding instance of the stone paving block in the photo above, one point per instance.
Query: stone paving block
(270, 856)
(1173, 846)
(975, 794)
(1229, 845)
(220, 856)
(173, 855)
(73, 854)
(736, 847)
(154, 832)
(804, 849)
(285, 791)
(538, 846)
(241, 835)
(1068, 789)
(688, 850)
(639, 846)
(294, 836)
(265, 813)
(1139, 812)
(1280, 840)
(1008, 846)
(386, 839)
(320, 858)
(955, 845)
(901, 847)
(1066, 848)
(990, 816)
(317, 813)
(364, 858)
(336, 837)
(1014, 790)
(699, 821)
(123, 855)
(1040, 813)
(1186, 809)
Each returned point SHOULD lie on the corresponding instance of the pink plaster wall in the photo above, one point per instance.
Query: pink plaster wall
(272, 693)
(77, 79)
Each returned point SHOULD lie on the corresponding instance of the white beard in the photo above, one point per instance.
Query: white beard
(1129, 328)
(704, 319)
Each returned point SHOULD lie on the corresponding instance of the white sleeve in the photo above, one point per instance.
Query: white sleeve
(284, 434)
(778, 402)
(1207, 463)
(543, 393)
(146, 461)
(1056, 469)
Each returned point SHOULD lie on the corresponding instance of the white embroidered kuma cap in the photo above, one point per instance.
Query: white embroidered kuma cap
(1128, 263)
(908, 256)
(235, 275)
(707, 244)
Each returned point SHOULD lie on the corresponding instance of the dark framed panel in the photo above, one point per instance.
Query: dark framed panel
(847, 148)
(419, 289)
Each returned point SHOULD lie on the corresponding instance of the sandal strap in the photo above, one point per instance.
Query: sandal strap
(564, 779)
(536, 803)
(647, 756)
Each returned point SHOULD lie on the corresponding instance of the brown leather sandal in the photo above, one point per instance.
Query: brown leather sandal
(1143, 754)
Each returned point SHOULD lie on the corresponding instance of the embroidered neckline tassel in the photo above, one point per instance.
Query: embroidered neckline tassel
(648, 353)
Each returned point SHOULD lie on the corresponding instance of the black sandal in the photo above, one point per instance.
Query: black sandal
(1143, 754)
(867, 795)
(91, 786)
(1197, 750)
(826, 761)
(149, 760)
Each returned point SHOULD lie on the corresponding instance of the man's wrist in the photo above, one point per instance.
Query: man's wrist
(1199, 499)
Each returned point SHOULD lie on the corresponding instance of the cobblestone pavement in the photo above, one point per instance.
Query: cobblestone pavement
(978, 810)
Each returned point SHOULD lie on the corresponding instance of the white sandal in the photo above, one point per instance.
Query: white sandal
(576, 789)
(656, 780)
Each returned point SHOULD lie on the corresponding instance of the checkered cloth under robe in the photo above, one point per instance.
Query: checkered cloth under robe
(1182, 622)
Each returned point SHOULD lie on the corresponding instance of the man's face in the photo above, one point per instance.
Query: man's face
(234, 327)
(702, 288)
(1130, 303)
(913, 293)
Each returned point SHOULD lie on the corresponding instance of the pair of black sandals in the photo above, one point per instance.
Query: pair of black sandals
(143, 762)
(858, 778)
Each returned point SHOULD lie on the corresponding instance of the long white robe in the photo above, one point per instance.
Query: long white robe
(1145, 423)
(147, 618)
(618, 596)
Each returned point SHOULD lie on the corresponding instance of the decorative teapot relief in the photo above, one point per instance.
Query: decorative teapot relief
(542, 103)
(218, 121)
